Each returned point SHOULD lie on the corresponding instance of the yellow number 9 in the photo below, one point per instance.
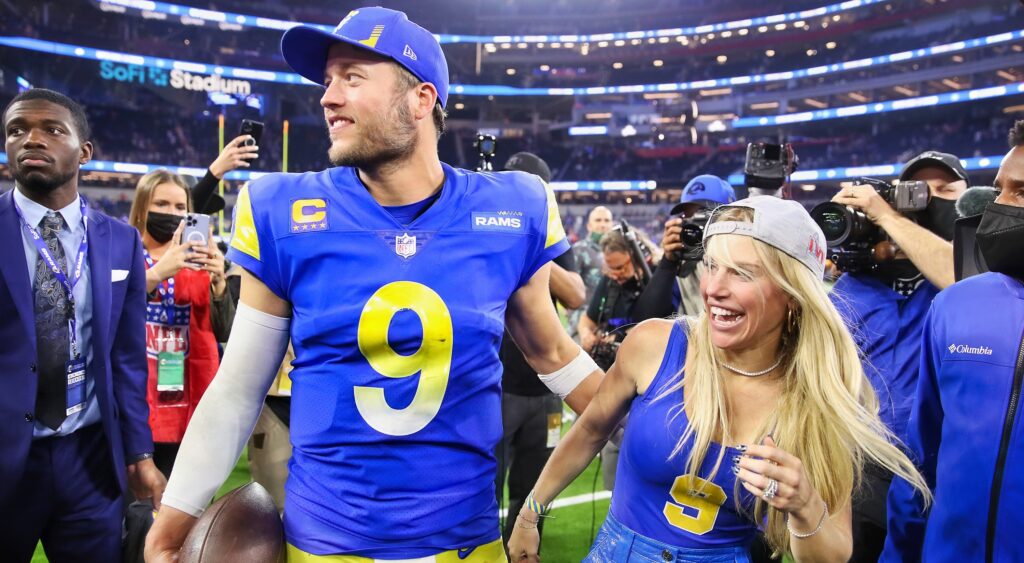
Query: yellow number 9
(432, 361)
(699, 494)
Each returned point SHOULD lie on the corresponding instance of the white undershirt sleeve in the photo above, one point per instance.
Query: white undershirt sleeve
(228, 410)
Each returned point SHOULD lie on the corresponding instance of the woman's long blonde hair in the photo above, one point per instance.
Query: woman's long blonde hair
(827, 414)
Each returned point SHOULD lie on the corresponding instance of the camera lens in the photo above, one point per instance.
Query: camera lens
(692, 234)
(834, 220)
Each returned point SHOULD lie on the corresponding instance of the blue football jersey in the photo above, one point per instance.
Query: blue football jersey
(654, 495)
(396, 387)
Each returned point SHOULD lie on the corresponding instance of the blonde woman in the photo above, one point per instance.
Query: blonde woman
(754, 417)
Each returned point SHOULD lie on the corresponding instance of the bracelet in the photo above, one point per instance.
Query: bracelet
(821, 524)
(532, 504)
(534, 522)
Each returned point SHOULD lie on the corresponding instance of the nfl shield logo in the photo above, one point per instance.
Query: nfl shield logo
(405, 245)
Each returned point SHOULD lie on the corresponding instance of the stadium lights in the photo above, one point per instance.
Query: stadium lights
(545, 68)
(658, 62)
(882, 107)
(769, 53)
(722, 59)
(165, 65)
(196, 16)
(460, 105)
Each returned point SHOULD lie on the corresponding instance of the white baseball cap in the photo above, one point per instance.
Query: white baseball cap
(784, 224)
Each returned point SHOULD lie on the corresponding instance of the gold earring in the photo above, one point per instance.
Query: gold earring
(790, 321)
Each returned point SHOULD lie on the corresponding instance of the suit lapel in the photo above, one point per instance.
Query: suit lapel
(13, 265)
(99, 273)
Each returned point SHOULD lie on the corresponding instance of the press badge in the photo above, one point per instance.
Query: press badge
(170, 371)
(76, 386)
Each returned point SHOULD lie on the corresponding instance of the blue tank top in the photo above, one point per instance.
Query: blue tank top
(653, 495)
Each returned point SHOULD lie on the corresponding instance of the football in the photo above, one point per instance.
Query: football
(242, 526)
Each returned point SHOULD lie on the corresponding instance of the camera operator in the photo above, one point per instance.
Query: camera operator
(963, 430)
(675, 285)
(602, 326)
(589, 260)
(531, 414)
(885, 309)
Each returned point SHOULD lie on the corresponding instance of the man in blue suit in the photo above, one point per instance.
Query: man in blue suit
(74, 431)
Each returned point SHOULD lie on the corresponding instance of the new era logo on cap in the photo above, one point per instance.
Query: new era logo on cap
(408, 52)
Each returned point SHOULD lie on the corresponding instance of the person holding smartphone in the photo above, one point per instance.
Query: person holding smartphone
(187, 311)
(238, 153)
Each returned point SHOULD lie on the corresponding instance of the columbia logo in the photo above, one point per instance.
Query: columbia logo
(409, 52)
(964, 349)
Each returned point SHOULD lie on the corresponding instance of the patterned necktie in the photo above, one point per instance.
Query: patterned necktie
(53, 311)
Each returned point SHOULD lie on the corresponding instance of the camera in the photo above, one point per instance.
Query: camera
(486, 146)
(767, 165)
(851, 236)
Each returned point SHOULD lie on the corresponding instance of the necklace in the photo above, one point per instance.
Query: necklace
(753, 373)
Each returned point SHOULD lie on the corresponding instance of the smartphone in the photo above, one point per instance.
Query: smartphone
(197, 229)
(252, 128)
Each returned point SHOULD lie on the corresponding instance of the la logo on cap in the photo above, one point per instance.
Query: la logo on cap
(345, 21)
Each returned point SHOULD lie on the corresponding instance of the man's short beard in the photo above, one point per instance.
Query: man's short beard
(39, 182)
(388, 138)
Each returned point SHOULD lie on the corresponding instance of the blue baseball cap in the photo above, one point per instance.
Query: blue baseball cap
(710, 191)
(388, 33)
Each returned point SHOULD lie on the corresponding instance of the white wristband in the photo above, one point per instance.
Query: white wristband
(564, 380)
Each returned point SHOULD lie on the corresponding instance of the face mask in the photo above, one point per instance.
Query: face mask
(161, 226)
(1001, 239)
(939, 217)
(891, 270)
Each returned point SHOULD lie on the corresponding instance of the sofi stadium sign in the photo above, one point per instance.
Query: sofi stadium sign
(177, 78)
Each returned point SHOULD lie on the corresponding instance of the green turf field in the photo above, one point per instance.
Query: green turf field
(566, 537)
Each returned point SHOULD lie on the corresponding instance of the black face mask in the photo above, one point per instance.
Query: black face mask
(939, 217)
(161, 226)
(1001, 239)
(891, 270)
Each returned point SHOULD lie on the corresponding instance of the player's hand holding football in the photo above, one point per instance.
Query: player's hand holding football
(792, 493)
(165, 538)
(524, 543)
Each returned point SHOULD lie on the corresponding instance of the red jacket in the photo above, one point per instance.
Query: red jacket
(189, 331)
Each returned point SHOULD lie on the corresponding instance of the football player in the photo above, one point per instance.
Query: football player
(393, 274)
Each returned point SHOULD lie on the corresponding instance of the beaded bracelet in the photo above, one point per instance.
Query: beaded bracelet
(821, 524)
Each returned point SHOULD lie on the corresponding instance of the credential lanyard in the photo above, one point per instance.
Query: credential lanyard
(164, 289)
(58, 273)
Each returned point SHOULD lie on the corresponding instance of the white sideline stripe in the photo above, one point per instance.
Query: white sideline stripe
(571, 501)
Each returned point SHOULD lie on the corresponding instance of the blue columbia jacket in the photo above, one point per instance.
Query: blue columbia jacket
(965, 430)
(887, 328)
